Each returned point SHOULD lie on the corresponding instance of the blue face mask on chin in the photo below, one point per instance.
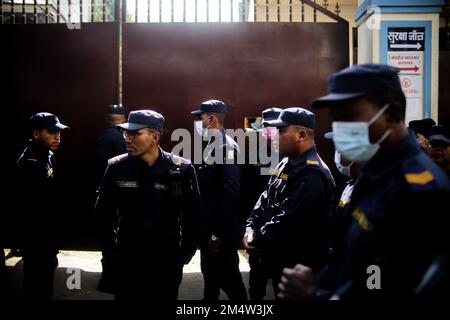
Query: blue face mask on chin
(352, 140)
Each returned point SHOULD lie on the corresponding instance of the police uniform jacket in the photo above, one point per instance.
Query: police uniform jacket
(37, 199)
(109, 144)
(157, 206)
(220, 188)
(291, 220)
(399, 220)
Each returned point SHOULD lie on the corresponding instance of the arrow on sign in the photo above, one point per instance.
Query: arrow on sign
(416, 46)
(415, 69)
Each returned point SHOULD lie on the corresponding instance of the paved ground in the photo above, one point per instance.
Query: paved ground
(90, 267)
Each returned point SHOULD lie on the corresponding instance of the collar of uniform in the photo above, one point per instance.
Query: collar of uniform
(384, 162)
(222, 131)
(39, 149)
(303, 157)
(156, 167)
(211, 151)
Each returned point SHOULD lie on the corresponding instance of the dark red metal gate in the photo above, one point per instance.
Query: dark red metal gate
(173, 67)
(72, 73)
(169, 67)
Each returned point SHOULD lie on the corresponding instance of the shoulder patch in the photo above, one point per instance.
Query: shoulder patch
(362, 220)
(419, 178)
(117, 159)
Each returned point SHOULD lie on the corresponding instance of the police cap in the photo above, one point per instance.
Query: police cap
(295, 116)
(440, 133)
(143, 119)
(270, 114)
(116, 109)
(45, 120)
(210, 106)
(422, 126)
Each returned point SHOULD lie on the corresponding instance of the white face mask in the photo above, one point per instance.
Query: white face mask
(199, 127)
(345, 170)
(270, 133)
(352, 140)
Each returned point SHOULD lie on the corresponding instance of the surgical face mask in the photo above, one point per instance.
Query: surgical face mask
(199, 127)
(345, 170)
(269, 133)
(352, 140)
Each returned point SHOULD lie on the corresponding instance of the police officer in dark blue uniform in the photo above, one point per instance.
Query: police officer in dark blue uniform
(291, 220)
(421, 129)
(219, 178)
(256, 184)
(39, 211)
(109, 143)
(349, 172)
(398, 225)
(440, 146)
(156, 197)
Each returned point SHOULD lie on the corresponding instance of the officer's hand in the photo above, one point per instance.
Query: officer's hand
(213, 246)
(298, 283)
(247, 241)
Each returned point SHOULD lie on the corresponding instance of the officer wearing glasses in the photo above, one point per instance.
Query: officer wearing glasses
(156, 198)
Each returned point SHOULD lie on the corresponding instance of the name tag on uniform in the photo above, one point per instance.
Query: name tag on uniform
(278, 174)
(127, 184)
(161, 187)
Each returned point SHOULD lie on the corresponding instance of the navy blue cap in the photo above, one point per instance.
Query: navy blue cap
(143, 119)
(45, 120)
(359, 80)
(440, 133)
(422, 126)
(295, 116)
(270, 114)
(210, 106)
(116, 109)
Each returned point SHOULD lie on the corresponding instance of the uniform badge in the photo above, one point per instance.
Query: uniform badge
(314, 162)
(127, 184)
(362, 220)
(419, 178)
(161, 187)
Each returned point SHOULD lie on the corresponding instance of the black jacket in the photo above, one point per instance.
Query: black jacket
(156, 206)
(38, 198)
(291, 220)
(220, 187)
(398, 221)
(110, 143)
